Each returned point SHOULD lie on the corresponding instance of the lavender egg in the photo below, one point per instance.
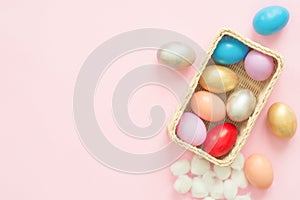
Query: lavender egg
(191, 129)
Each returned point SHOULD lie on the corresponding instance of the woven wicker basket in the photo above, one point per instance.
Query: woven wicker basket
(261, 90)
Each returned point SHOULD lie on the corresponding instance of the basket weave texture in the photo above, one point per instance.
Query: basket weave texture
(261, 90)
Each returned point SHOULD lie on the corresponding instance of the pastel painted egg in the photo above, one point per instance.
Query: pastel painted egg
(240, 105)
(218, 79)
(191, 129)
(220, 139)
(270, 20)
(176, 54)
(282, 120)
(208, 106)
(259, 171)
(258, 65)
(229, 51)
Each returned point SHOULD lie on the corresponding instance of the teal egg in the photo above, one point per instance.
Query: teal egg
(270, 20)
(229, 51)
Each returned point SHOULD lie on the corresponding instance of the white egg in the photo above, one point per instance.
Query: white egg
(217, 191)
(239, 162)
(183, 184)
(199, 166)
(199, 189)
(230, 189)
(180, 167)
(222, 172)
(238, 176)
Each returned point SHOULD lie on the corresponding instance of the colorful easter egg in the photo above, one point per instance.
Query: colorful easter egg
(176, 54)
(229, 51)
(191, 129)
(218, 79)
(270, 20)
(208, 106)
(240, 105)
(258, 66)
(220, 139)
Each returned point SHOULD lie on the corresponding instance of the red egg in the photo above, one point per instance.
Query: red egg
(220, 139)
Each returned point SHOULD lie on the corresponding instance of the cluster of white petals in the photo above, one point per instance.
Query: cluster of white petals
(210, 182)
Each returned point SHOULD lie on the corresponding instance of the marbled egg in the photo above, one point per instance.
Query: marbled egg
(229, 51)
(218, 79)
(270, 20)
(176, 54)
(258, 65)
(282, 120)
(240, 105)
(191, 129)
(208, 106)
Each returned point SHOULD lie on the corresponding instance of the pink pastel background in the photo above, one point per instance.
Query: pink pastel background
(42, 47)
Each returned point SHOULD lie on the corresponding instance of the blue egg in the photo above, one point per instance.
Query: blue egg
(229, 51)
(270, 20)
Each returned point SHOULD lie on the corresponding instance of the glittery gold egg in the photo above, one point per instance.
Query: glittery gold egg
(218, 79)
(282, 120)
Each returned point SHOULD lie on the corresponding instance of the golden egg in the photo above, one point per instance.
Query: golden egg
(218, 79)
(282, 120)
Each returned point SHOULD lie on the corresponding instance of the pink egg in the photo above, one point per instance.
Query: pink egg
(191, 129)
(208, 106)
(258, 65)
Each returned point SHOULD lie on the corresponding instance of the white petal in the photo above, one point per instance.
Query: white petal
(222, 172)
(208, 179)
(239, 178)
(208, 198)
(180, 167)
(183, 184)
(230, 189)
(238, 164)
(243, 197)
(199, 165)
(199, 189)
(217, 191)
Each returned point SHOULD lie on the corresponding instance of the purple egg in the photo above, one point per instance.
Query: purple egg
(191, 129)
(258, 66)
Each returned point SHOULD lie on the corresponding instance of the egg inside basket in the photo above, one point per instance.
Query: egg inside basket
(261, 90)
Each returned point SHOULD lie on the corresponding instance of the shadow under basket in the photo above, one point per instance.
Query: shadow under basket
(261, 90)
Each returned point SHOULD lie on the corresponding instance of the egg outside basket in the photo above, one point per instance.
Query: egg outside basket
(261, 90)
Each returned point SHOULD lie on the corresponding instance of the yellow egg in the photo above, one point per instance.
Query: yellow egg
(218, 79)
(282, 120)
(259, 171)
